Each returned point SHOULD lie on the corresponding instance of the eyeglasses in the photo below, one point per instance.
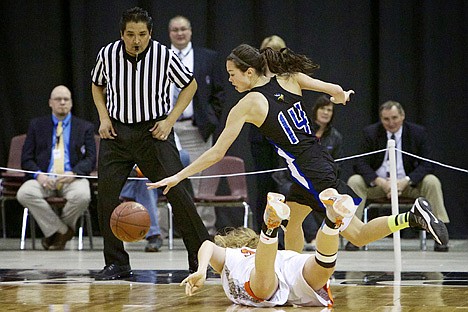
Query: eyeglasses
(60, 99)
(182, 29)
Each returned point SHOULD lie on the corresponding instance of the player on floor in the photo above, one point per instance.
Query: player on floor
(266, 276)
(274, 106)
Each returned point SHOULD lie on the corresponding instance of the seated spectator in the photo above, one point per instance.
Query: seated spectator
(59, 144)
(415, 176)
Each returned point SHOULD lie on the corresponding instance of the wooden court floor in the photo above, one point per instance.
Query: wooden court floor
(38, 280)
(151, 290)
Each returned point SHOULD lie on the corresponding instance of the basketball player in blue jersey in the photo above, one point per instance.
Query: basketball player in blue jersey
(273, 104)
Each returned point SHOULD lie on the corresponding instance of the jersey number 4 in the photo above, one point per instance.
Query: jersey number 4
(299, 120)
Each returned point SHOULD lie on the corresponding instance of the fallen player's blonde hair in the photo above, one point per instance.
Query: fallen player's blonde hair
(237, 238)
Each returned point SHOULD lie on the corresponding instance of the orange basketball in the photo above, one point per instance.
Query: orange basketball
(130, 221)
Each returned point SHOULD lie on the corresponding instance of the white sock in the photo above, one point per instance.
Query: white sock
(267, 239)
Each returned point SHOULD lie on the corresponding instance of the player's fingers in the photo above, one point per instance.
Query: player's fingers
(188, 289)
(166, 190)
(183, 282)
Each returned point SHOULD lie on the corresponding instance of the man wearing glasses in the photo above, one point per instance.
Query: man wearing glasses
(198, 122)
(57, 147)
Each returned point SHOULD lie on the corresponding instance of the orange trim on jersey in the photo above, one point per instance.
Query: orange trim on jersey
(250, 292)
(330, 296)
(247, 252)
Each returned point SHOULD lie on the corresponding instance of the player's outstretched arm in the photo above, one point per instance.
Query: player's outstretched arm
(208, 253)
(234, 124)
(336, 92)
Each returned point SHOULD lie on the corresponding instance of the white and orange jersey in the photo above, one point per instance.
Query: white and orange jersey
(292, 287)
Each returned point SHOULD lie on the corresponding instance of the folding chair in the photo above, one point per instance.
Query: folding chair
(238, 196)
(57, 203)
(12, 180)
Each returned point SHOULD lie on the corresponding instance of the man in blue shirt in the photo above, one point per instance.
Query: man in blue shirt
(57, 147)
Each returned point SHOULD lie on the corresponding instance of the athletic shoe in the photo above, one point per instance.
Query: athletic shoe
(340, 206)
(421, 217)
(441, 248)
(275, 196)
(276, 212)
(113, 272)
(351, 247)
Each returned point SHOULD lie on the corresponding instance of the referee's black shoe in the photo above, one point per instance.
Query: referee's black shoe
(421, 217)
(113, 272)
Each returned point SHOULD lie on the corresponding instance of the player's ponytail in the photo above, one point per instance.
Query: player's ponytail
(286, 62)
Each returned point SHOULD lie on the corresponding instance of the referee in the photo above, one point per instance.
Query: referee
(130, 85)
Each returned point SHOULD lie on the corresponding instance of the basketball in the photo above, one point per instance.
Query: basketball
(130, 221)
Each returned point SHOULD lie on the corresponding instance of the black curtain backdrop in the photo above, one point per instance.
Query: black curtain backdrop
(413, 52)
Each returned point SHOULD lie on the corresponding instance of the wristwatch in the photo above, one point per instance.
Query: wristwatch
(407, 178)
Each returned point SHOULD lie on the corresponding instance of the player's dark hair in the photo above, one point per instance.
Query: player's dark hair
(245, 56)
(136, 15)
(280, 62)
(285, 61)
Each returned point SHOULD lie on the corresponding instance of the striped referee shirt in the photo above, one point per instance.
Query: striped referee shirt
(138, 87)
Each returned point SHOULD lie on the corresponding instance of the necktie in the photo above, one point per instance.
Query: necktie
(59, 152)
(180, 55)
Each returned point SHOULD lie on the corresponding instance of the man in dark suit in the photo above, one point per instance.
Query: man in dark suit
(414, 176)
(57, 147)
(200, 119)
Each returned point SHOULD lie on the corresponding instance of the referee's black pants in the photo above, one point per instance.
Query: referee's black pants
(156, 159)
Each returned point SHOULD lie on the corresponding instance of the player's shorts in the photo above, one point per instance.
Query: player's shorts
(292, 287)
(299, 194)
(300, 293)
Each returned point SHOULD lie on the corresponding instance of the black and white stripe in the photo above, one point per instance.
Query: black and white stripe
(138, 90)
